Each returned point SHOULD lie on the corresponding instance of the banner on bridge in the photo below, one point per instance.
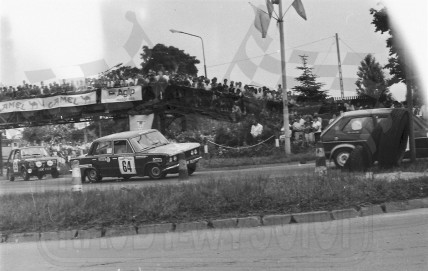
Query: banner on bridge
(120, 95)
(45, 103)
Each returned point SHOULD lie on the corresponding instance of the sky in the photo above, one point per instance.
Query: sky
(70, 39)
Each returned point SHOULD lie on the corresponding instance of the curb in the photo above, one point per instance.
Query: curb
(241, 222)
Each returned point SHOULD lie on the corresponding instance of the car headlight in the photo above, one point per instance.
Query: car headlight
(170, 159)
(196, 151)
(50, 163)
(38, 164)
(174, 158)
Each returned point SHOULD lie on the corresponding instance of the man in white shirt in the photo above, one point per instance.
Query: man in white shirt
(317, 129)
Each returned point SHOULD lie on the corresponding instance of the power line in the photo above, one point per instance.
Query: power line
(271, 53)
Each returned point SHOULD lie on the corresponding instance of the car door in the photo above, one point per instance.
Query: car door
(101, 159)
(421, 137)
(123, 159)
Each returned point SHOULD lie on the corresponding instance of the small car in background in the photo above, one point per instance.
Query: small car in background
(26, 162)
(136, 153)
(354, 128)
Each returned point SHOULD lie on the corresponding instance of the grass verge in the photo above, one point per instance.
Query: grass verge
(251, 161)
(208, 199)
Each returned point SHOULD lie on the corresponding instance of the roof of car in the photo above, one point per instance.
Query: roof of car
(370, 111)
(125, 135)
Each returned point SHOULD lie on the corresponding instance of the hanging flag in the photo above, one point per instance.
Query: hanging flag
(261, 21)
(298, 6)
(39, 75)
(94, 67)
(136, 38)
(269, 7)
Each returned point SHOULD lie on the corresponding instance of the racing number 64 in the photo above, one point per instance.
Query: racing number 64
(127, 165)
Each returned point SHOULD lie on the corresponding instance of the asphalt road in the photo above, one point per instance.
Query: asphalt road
(64, 182)
(394, 241)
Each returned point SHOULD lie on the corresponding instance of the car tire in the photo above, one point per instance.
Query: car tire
(340, 157)
(155, 172)
(359, 160)
(40, 176)
(25, 174)
(191, 169)
(55, 174)
(93, 175)
(392, 143)
(10, 177)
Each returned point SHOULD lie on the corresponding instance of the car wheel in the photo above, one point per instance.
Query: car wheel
(155, 172)
(191, 169)
(93, 175)
(340, 157)
(25, 174)
(55, 174)
(10, 177)
(40, 176)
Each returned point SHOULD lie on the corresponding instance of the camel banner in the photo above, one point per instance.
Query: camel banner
(120, 95)
(57, 101)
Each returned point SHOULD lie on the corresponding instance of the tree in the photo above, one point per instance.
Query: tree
(48, 134)
(396, 66)
(381, 21)
(371, 80)
(171, 59)
(309, 89)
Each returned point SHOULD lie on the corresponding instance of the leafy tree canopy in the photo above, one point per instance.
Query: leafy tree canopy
(382, 23)
(371, 80)
(171, 59)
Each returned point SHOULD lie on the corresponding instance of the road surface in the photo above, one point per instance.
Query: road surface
(394, 241)
(64, 183)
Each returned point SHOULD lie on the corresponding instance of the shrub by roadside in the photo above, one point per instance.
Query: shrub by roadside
(209, 199)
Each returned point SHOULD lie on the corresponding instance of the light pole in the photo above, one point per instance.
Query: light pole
(203, 50)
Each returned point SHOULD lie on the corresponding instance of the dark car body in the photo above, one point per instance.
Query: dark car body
(31, 161)
(136, 153)
(354, 129)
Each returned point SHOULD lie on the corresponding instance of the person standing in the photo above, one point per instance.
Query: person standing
(316, 125)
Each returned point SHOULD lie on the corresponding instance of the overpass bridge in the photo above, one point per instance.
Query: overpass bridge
(167, 102)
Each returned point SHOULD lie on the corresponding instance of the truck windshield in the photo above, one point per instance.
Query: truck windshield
(34, 152)
(148, 140)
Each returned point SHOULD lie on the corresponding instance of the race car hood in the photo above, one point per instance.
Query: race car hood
(174, 148)
(31, 159)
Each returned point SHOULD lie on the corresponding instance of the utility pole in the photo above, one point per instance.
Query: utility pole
(287, 145)
(340, 67)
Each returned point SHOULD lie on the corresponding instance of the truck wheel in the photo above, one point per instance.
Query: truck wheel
(10, 177)
(155, 172)
(55, 174)
(191, 169)
(25, 174)
(340, 157)
(93, 175)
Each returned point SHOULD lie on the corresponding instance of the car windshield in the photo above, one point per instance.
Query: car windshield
(149, 140)
(38, 151)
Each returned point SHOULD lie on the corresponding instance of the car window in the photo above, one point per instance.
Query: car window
(121, 146)
(103, 148)
(359, 125)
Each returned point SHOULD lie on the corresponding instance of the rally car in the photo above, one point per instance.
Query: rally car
(31, 161)
(356, 128)
(136, 153)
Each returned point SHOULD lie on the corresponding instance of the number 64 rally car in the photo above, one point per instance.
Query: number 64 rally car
(136, 153)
